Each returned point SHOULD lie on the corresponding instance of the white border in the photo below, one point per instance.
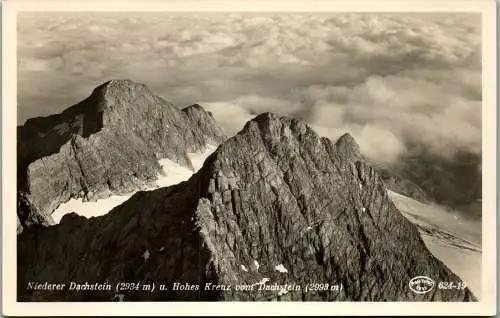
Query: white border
(487, 305)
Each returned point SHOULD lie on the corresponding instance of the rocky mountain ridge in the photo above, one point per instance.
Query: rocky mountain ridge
(274, 194)
(107, 144)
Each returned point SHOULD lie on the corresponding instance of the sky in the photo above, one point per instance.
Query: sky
(391, 80)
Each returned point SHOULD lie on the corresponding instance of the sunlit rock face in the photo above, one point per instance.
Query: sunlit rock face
(108, 144)
(274, 205)
(172, 173)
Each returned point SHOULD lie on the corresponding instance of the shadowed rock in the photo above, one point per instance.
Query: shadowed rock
(28, 214)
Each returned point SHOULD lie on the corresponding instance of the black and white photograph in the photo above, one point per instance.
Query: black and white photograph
(251, 156)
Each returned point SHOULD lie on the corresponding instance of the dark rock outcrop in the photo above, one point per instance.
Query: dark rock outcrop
(274, 194)
(109, 143)
(28, 214)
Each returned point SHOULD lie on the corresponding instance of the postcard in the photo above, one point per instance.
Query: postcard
(249, 157)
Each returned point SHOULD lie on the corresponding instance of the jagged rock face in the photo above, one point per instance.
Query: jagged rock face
(274, 194)
(347, 146)
(108, 143)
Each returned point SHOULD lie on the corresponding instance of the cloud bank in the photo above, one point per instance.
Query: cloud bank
(391, 80)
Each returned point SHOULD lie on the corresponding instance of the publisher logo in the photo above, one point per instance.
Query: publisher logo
(421, 284)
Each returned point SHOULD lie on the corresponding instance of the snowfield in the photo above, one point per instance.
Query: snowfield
(452, 239)
(174, 174)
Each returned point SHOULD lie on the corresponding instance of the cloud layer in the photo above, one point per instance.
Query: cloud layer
(391, 80)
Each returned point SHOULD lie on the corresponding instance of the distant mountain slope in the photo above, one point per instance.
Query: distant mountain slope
(275, 204)
(107, 144)
(449, 236)
(399, 184)
(455, 182)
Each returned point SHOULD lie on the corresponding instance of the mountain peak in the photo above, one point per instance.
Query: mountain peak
(120, 93)
(196, 107)
(270, 119)
(347, 138)
(347, 145)
(269, 116)
(263, 120)
(196, 110)
(273, 126)
(123, 129)
(121, 86)
(277, 195)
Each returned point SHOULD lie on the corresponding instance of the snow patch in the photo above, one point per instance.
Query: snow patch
(243, 267)
(280, 268)
(173, 174)
(146, 255)
(88, 209)
(256, 265)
